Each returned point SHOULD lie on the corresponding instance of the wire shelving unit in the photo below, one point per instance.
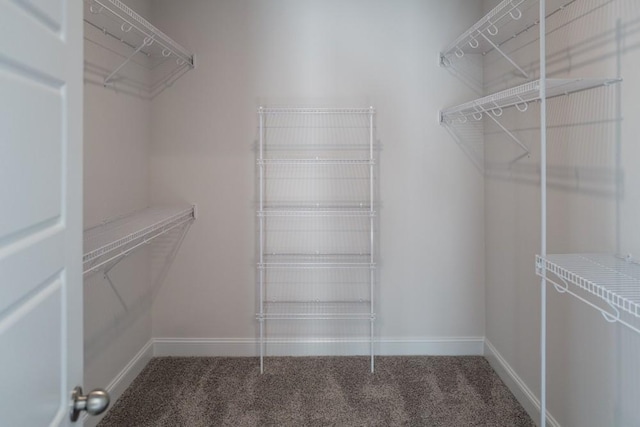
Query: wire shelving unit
(111, 241)
(595, 279)
(147, 46)
(316, 217)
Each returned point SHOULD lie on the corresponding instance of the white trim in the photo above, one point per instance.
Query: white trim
(123, 380)
(248, 347)
(518, 387)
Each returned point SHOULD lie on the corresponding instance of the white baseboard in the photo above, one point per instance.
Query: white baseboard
(247, 347)
(520, 390)
(123, 380)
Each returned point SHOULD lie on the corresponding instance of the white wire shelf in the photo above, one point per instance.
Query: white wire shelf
(519, 96)
(265, 110)
(316, 212)
(316, 162)
(614, 280)
(505, 22)
(110, 241)
(115, 19)
(316, 310)
(472, 40)
(313, 261)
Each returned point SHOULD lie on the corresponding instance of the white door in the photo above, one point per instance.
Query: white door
(40, 210)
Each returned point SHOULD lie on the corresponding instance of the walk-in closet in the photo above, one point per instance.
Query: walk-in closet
(308, 212)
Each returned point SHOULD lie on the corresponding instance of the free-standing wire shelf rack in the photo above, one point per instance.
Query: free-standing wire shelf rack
(612, 280)
(316, 216)
(148, 47)
(111, 241)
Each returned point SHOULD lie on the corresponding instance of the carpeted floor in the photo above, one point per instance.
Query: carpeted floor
(318, 391)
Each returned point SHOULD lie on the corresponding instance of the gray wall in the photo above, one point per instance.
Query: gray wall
(330, 53)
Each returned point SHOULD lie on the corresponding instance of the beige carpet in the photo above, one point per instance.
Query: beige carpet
(318, 391)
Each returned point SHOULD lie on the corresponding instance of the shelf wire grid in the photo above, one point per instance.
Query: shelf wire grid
(317, 261)
(316, 162)
(316, 212)
(129, 16)
(275, 110)
(505, 10)
(612, 279)
(520, 96)
(317, 310)
(119, 234)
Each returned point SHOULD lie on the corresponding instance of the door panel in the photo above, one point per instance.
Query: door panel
(41, 65)
(31, 159)
(32, 365)
(50, 12)
(19, 263)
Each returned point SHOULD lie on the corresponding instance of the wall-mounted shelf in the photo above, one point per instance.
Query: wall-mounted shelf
(109, 242)
(613, 280)
(491, 106)
(489, 32)
(520, 96)
(505, 22)
(156, 51)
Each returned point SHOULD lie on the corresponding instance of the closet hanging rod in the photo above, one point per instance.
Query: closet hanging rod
(537, 22)
(114, 36)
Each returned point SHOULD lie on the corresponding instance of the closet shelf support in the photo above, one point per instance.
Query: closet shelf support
(507, 57)
(509, 133)
(145, 42)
